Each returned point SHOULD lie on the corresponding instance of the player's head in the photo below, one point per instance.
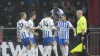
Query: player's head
(55, 6)
(23, 15)
(48, 14)
(63, 17)
(79, 13)
(55, 16)
(33, 15)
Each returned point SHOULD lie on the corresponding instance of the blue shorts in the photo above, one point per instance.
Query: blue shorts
(26, 41)
(47, 40)
(56, 38)
(33, 40)
(63, 42)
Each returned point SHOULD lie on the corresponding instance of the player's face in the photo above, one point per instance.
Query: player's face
(34, 16)
(77, 14)
(25, 16)
(63, 18)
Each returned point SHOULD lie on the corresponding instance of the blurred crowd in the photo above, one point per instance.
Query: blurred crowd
(10, 9)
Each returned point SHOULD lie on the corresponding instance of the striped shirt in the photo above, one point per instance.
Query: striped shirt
(64, 29)
(31, 23)
(47, 25)
(23, 28)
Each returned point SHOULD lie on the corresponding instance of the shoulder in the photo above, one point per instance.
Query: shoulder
(18, 21)
(68, 22)
(60, 9)
(29, 21)
(51, 11)
(25, 22)
(82, 18)
(43, 19)
(50, 20)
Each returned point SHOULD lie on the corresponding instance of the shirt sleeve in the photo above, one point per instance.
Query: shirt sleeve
(41, 23)
(61, 11)
(82, 24)
(27, 24)
(17, 24)
(52, 24)
(70, 25)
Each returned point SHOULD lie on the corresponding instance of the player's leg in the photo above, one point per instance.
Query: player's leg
(33, 46)
(26, 43)
(66, 49)
(55, 46)
(36, 51)
(66, 42)
(84, 51)
(49, 43)
(49, 50)
(48, 47)
(45, 51)
(62, 48)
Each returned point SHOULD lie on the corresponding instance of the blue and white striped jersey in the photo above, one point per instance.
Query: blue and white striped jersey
(23, 28)
(47, 25)
(63, 32)
(31, 23)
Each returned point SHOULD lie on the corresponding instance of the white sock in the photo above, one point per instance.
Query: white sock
(66, 50)
(45, 51)
(62, 50)
(29, 53)
(24, 50)
(55, 49)
(36, 51)
(33, 51)
(49, 50)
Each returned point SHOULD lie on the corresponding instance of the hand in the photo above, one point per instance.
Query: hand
(82, 38)
(75, 35)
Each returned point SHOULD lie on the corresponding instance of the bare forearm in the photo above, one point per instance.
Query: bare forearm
(83, 31)
(74, 30)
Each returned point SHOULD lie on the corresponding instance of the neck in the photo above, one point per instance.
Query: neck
(80, 15)
(64, 20)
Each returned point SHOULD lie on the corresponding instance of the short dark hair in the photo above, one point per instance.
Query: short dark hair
(32, 14)
(48, 14)
(22, 14)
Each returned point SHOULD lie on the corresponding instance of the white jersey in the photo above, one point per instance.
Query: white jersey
(47, 25)
(64, 29)
(23, 28)
(31, 23)
(59, 12)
